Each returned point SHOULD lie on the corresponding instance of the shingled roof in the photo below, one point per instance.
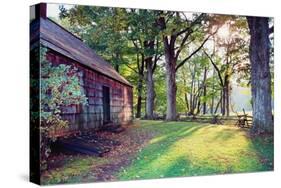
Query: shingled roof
(60, 40)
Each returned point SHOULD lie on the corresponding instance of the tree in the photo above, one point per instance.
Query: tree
(260, 74)
(216, 70)
(196, 86)
(139, 71)
(123, 37)
(144, 34)
(59, 86)
(135, 40)
(150, 63)
(230, 43)
(177, 31)
(101, 28)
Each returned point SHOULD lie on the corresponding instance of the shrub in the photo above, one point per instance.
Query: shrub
(59, 86)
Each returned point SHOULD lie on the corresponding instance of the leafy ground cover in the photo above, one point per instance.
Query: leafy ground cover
(157, 149)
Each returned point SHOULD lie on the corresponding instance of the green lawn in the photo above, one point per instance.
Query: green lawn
(157, 149)
(189, 149)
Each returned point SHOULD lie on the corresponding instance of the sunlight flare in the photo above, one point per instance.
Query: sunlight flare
(224, 32)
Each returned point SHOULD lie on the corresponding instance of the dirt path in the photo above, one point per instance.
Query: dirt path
(132, 140)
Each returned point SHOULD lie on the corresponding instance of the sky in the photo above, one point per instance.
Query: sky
(53, 9)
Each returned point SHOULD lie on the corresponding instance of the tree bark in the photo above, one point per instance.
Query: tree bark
(185, 95)
(212, 105)
(139, 100)
(227, 106)
(150, 94)
(186, 102)
(191, 98)
(213, 96)
(171, 90)
(223, 101)
(198, 106)
(205, 91)
(227, 82)
(198, 98)
(140, 84)
(218, 104)
(226, 94)
(260, 74)
(170, 64)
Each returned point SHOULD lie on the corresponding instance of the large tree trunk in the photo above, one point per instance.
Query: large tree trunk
(171, 57)
(139, 100)
(140, 71)
(260, 74)
(150, 94)
(170, 64)
(171, 90)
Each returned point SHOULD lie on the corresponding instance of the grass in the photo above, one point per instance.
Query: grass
(175, 149)
(73, 170)
(189, 149)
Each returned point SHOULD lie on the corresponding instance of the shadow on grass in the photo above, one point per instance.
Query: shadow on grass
(225, 134)
(158, 148)
(209, 150)
(264, 147)
(180, 149)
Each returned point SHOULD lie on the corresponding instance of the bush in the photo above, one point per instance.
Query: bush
(59, 86)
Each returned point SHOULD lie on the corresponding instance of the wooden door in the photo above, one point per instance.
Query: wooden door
(106, 104)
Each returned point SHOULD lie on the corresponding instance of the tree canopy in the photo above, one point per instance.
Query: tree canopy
(179, 63)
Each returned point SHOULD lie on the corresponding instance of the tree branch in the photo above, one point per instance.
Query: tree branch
(169, 16)
(136, 45)
(132, 68)
(193, 53)
(196, 21)
(216, 67)
(155, 57)
(183, 42)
